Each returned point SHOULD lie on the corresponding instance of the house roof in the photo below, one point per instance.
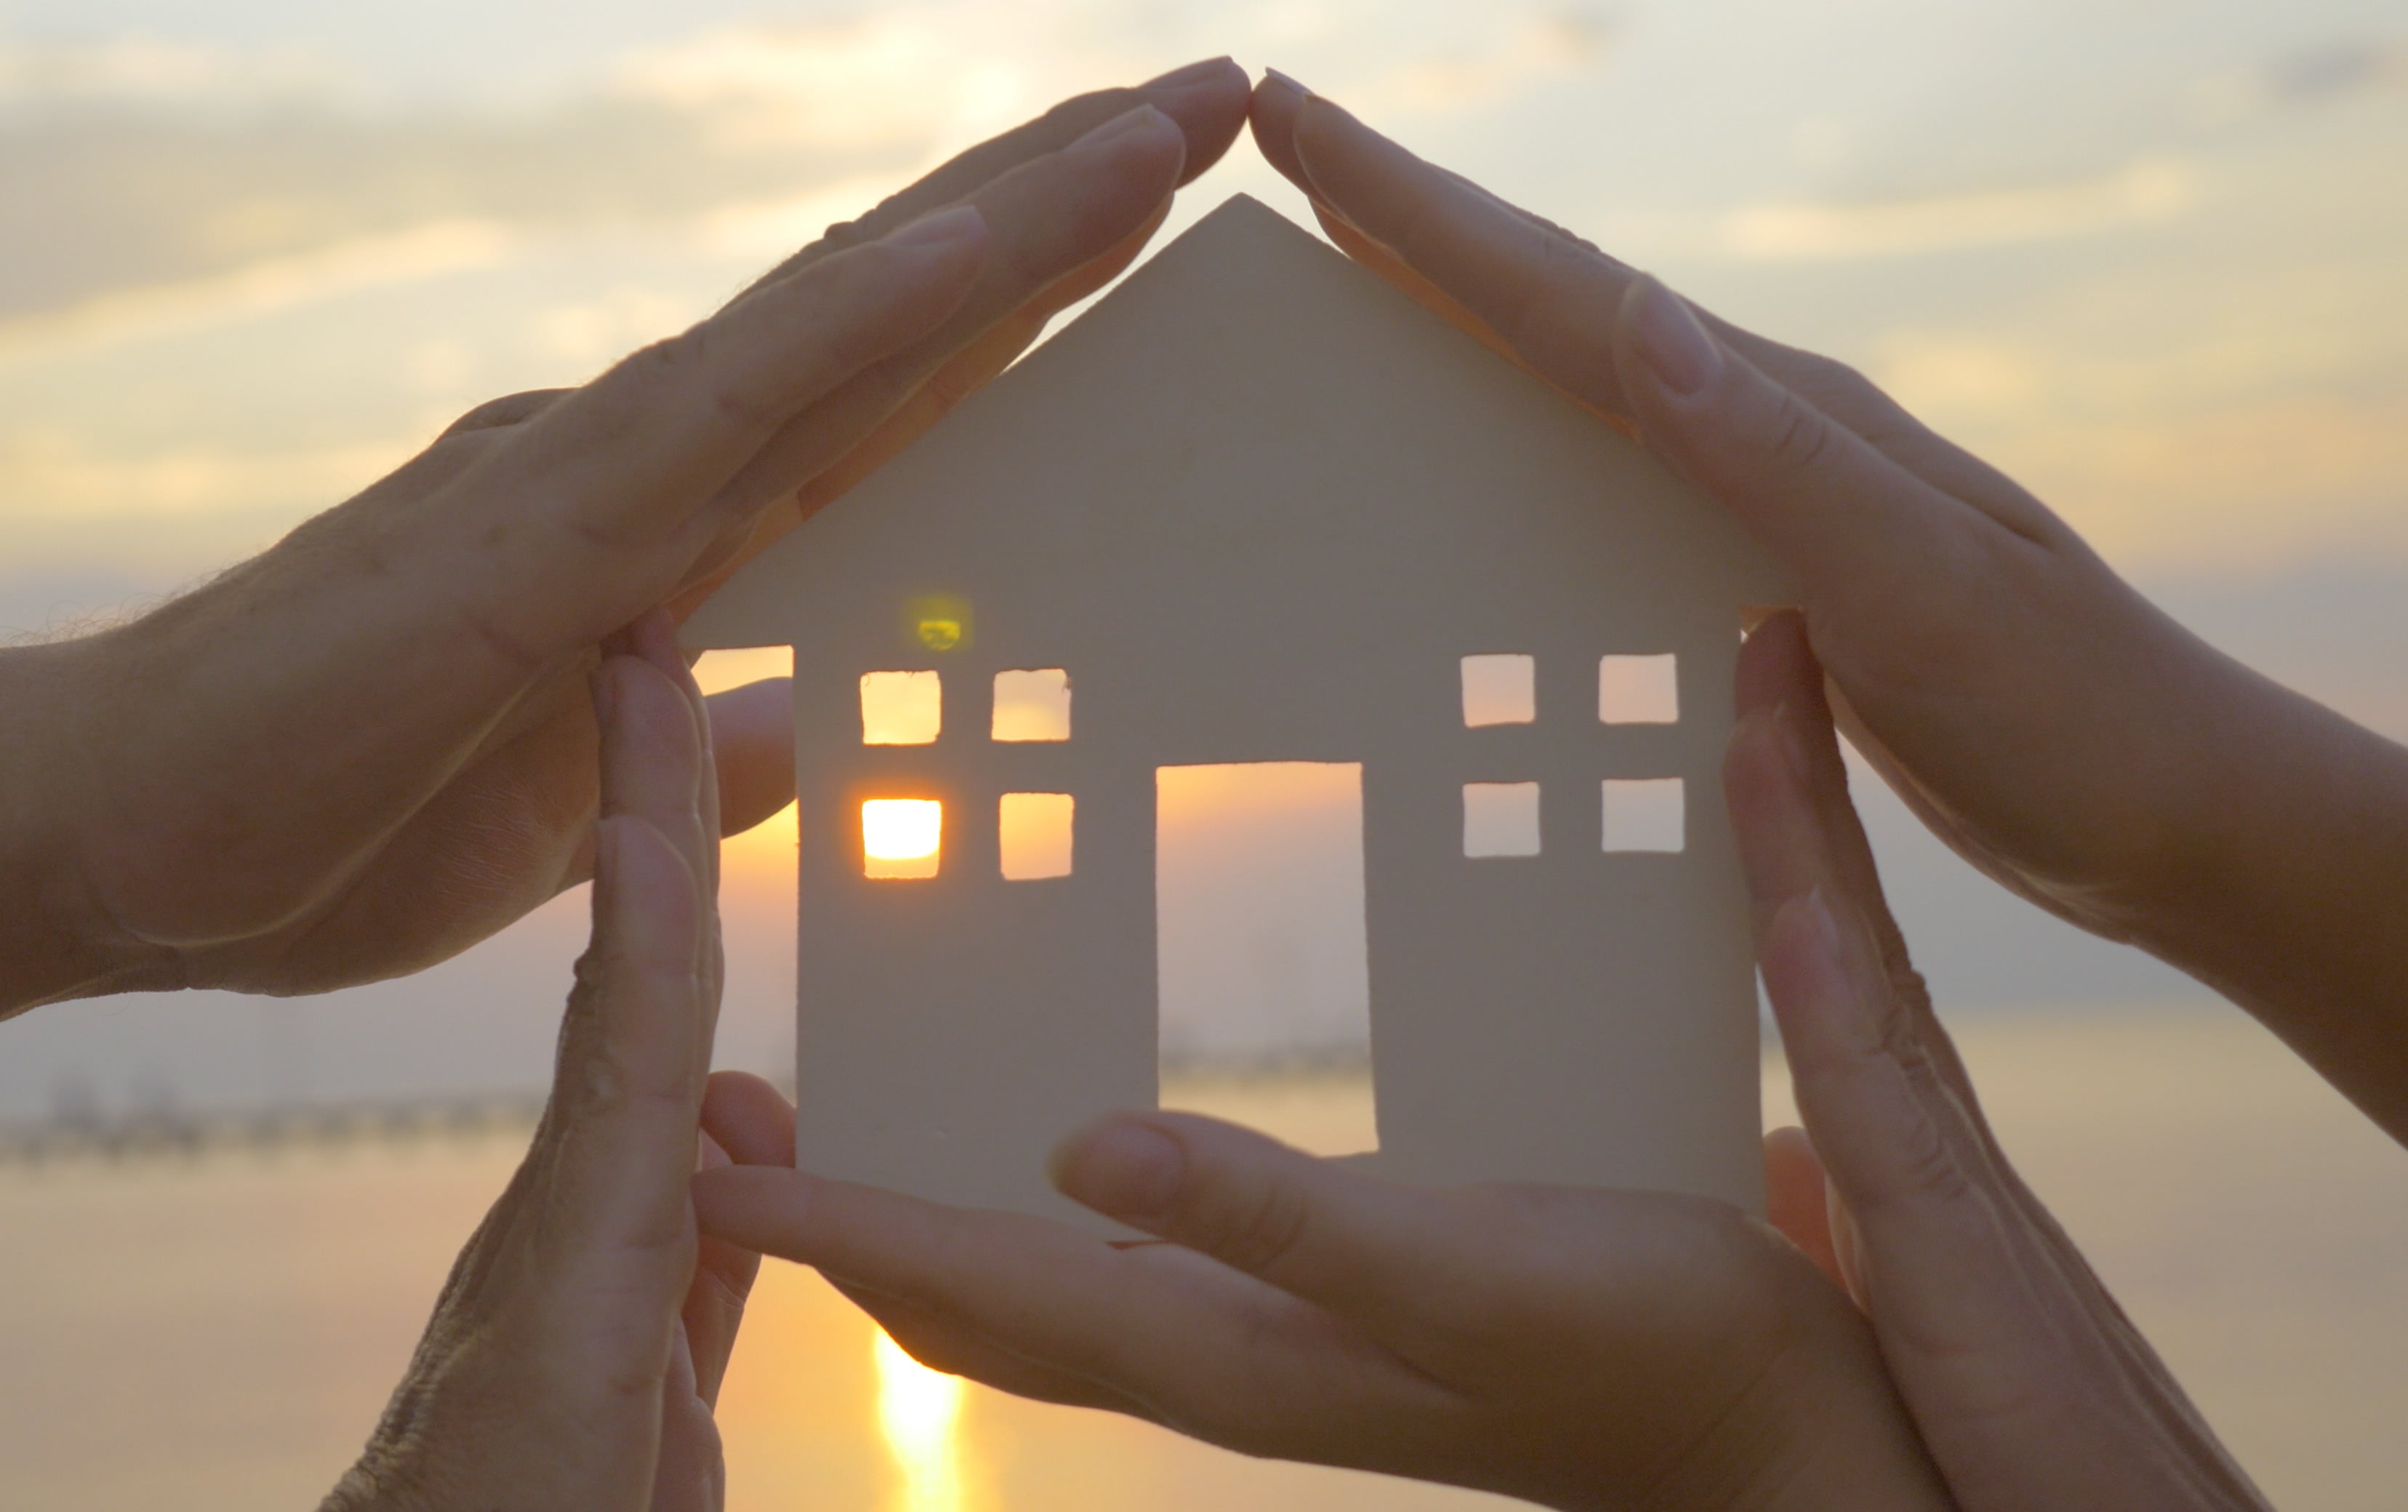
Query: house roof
(1254, 439)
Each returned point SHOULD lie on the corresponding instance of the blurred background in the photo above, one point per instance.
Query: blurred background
(2149, 256)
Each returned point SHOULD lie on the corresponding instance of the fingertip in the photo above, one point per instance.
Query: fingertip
(1123, 1166)
(1208, 102)
(750, 1118)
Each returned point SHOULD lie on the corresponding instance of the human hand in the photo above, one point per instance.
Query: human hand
(2027, 1383)
(2040, 716)
(369, 747)
(1578, 1348)
(578, 1348)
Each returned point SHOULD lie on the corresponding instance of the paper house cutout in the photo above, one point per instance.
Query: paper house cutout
(1256, 506)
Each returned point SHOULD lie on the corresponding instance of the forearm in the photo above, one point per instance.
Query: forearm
(2290, 892)
(55, 942)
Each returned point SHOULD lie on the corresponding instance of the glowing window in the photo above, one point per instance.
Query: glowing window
(1499, 689)
(1034, 836)
(900, 837)
(1645, 815)
(901, 708)
(1500, 818)
(1637, 689)
(1032, 705)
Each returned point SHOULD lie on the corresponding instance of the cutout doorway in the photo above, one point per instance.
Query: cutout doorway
(1263, 969)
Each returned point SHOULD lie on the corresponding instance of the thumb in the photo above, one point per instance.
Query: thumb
(1823, 499)
(1364, 1249)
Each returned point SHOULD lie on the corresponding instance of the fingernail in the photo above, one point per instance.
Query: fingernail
(1194, 73)
(1682, 356)
(1121, 1167)
(1144, 117)
(1822, 927)
(1291, 82)
(938, 228)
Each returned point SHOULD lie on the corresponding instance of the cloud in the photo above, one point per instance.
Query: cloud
(2150, 190)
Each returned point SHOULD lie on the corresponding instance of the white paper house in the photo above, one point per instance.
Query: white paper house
(1256, 506)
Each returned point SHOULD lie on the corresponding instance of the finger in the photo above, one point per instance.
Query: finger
(1207, 100)
(1796, 1202)
(749, 1119)
(663, 431)
(1551, 296)
(1047, 218)
(1784, 743)
(724, 1274)
(753, 741)
(1846, 519)
(1367, 1250)
(1217, 1354)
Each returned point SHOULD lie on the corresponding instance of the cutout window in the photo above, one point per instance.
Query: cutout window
(1264, 970)
(1034, 834)
(1639, 690)
(1499, 689)
(1032, 705)
(1645, 815)
(1500, 818)
(901, 837)
(901, 708)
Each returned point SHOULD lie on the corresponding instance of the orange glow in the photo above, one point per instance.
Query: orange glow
(1032, 705)
(1035, 834)
(901, 708)
(901, 837)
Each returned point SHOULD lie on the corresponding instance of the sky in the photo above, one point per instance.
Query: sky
(2145, 255)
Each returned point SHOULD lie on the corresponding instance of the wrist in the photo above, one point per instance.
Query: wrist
(56, 941)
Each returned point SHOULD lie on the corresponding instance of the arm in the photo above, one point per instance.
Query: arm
(2049, 724)
(369, 747)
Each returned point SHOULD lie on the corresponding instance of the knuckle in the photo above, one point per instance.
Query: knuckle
(1800, 435)
(1252, 1225)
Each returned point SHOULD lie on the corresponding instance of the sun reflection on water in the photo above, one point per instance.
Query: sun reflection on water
(919, 1414)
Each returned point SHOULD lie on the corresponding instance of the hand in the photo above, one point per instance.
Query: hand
(578, 1349)
(2041, 718)
(2027, 1383)
(1578, 1348)
(369, 748)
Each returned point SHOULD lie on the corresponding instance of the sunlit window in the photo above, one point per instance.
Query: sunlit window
(1499, 689)
(900, 837)
(1034, 836)
(901, 708)
(1645, 815)
(1500, 818)
(1637, 689)
(1032, 705)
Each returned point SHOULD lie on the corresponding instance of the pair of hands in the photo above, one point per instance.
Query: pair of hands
(369, 748)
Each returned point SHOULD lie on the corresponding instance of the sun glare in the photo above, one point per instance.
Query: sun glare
(919, 1412)
(901, 837)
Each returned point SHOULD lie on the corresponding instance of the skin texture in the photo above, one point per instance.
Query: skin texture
(578, 1349)
(1578, 1348)
(369, 747)
(2042, 718)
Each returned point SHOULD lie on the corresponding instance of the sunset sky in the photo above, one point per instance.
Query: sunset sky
(2150, 257)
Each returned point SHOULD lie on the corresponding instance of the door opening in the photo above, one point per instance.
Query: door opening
(1263, 973)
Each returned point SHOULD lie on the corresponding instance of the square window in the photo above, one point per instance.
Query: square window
(1499, 689)
(1500, 818)
(1032, 705)
(901, 708)
(901, 837)
(1034, 834)
(1645, 815)
(1639, 690)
